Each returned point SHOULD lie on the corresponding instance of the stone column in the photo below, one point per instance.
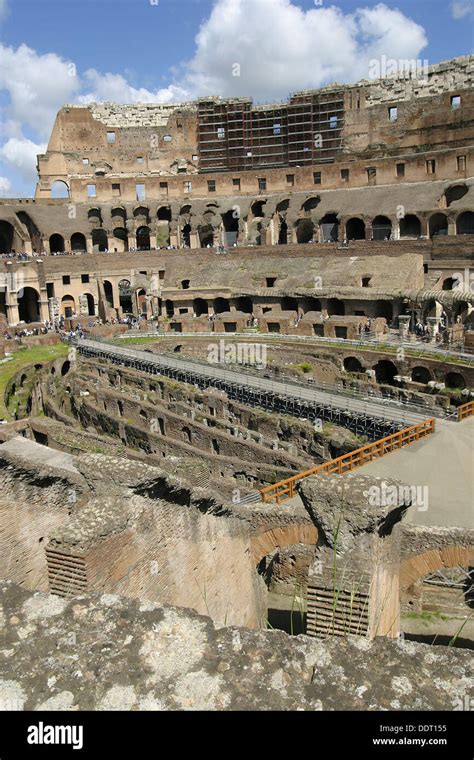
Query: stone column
(13, 316)
(404, 325)
(44, 309)
(433, 327)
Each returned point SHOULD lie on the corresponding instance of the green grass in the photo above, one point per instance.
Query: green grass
(21, 359)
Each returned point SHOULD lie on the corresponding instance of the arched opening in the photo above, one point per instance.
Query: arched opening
(231, 227)
(6, 237)
(355, 229)
(109, 293)
(141, 301)
(351, 364)
(335, 307)
(142, 212)
(257, 209)
(125, 296)
(65, 368)
(289, 304)
(450, 283)
(381, 228)
(465, 223)
(94, 215)
(119, 213)
(310, 304)
(185, 284)
(460, 311)
(329, 228)
(421, 375)
(221, 305)
(143, 238)
(164, 214)
(384, 309)
(187, 435)
(120, 407)
(59, 189)
(185, 210)
(169, 308)
(304, 230)
(90, 304)
(455, 193)
(244, 303)
(438, 225)
(410, 226)
(68, 306)
(186, 235)
(121, 238)
(311, 203)
(200, 307)
(56, 243)
(283, 233)
(385, 372)
(206, 236)
(99, 240)
(78, 242)
(455, 380)
(28, 305)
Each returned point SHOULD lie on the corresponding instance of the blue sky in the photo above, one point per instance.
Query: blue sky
(56, 51)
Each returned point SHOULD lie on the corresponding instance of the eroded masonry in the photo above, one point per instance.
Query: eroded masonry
(237, 395)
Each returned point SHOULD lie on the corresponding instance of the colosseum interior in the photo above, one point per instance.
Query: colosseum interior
(210, 320)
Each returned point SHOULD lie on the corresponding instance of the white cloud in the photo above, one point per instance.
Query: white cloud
(20, 154)
(37, 85)
(299, 49)
(462, 8)
(115, 88)
(5, 186)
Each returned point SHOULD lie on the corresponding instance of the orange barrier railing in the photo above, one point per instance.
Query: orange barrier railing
(465, 410)
(285, 489)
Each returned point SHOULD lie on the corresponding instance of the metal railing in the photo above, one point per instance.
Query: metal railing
(285, 489)
(465, 410)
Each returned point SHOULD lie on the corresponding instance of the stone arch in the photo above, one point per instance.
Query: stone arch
(59, 189)
(381, 228)
(56, 243)
(421, 375)
(355, 228)
(164, 214)
(90, 304)
(68, 306)
(283, 205)
(119, 212)
(94, 215)
(257, 210)
(28, 305)
(353, 365)
(455, 193)
(385, 371)
(268, 541)
(206, 235)
(78, 242)
(465, 223)
(304, 230)
(245, 304)
(231, 227)
(142, 212)
(99, 240)
(283, 232)
(65, 368)
(455, 380)
(6, 236)
(143, 237)
(109, 293)
(438, 225)
(417, 566)
(329, 228)
(311, 203)
(410, 226)
(120, 234)
(221, 305)
(200, 307)
(335, 307)
(125, 296)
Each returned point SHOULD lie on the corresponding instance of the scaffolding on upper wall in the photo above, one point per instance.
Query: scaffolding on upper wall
(234, 136)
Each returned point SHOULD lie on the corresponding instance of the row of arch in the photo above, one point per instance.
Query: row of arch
(385, 371)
